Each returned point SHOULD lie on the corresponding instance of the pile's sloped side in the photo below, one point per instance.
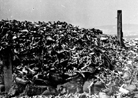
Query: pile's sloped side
(45, 53)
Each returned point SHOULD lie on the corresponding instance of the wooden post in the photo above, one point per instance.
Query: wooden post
(7, 69)
(119, 28)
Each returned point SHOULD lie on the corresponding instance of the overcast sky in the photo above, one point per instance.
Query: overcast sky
(82, 13)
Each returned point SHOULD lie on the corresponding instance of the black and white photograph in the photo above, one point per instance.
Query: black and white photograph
(68, 48)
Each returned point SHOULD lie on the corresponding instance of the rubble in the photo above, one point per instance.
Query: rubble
(52, 54)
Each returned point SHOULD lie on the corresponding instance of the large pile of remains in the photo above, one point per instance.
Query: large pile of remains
(55, 54)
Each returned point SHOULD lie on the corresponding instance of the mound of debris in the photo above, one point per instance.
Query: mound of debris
(55, 55)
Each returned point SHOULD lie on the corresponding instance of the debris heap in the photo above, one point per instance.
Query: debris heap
(55, 53)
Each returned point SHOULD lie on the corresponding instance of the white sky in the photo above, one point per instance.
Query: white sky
(82, 13)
